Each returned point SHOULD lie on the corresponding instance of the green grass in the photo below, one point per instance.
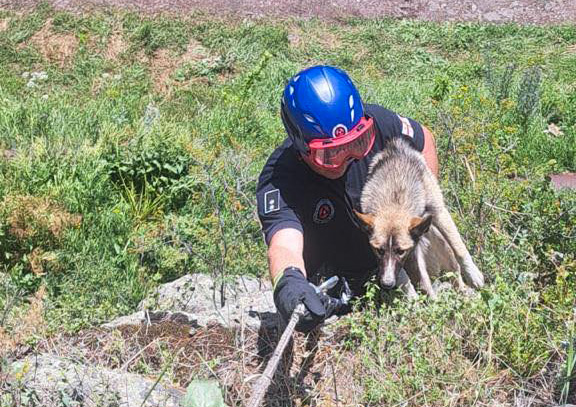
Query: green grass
(164, 179)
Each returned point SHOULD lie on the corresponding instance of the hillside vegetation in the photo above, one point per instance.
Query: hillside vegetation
(130, 148)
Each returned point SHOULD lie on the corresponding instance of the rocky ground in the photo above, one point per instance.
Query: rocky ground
(496, 11)
(186, 330)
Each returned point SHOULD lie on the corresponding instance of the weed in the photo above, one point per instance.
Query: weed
(529, 94)
(569, 373)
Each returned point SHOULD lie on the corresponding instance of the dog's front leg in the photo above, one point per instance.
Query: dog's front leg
(472, 276)
(406, 285)
(423, 270)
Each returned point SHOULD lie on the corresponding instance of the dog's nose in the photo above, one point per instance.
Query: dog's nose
(387, 286)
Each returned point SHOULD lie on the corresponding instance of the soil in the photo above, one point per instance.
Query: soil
(59, 48)
(495, 11)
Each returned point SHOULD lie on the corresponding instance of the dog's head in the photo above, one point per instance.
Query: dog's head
(393, 236)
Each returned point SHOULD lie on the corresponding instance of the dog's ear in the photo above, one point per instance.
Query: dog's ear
(366, 219)
(419, 226)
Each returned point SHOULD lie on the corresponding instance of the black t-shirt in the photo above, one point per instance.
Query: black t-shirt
(291, 195)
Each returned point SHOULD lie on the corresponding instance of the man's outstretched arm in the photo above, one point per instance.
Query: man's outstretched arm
(285, 250)
(429, 151)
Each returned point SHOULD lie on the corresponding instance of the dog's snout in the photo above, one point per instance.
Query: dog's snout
(388, 282)
(387, 286)
(388, 274)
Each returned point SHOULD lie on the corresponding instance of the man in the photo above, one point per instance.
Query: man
(311, 183)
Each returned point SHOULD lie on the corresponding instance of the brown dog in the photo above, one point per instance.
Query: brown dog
(409, 226)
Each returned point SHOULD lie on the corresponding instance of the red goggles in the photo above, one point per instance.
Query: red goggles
(335, 152)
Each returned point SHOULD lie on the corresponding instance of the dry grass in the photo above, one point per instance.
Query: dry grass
(20, 327)
(303, 39)
(164, 62)
(316, 371)
(55, 47)
(30, 216)
(4, 24)
(115, 47)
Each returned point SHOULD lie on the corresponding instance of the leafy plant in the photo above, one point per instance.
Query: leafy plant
(529, 94)
(203, 393)
(149, 179)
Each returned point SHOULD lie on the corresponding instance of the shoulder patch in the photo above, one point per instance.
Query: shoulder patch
(272, 201)
(407, 128)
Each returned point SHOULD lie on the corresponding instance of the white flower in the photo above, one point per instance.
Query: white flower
(41, 76)
(25, 75)
(44, 97)
(31, 84)
(105, 75)
(117, 77)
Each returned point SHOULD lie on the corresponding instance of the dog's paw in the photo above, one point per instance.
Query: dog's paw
(472, 276)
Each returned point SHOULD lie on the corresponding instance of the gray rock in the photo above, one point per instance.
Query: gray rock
(197, 299)
(55, 381)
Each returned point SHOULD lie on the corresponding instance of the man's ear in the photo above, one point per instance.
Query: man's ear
(419, 226)
(366, 219)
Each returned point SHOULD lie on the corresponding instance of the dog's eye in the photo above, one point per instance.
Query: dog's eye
(399, 252)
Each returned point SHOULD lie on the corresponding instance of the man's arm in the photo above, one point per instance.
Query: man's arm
(285, 250)
(429, 151)
(290, 284)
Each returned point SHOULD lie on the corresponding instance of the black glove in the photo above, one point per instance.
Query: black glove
(293, 288)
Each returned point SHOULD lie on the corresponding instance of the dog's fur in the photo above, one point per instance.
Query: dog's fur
(410, 229)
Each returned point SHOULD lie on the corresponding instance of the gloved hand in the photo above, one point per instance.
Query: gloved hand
(293, 288)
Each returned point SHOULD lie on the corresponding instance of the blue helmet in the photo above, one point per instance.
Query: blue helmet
(319, 102)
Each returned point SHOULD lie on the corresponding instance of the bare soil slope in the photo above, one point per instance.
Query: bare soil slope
(498, 11)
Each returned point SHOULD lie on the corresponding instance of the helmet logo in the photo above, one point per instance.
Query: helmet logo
(339, 130)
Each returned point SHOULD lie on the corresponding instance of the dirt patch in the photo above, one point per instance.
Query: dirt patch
(4, 24)
(563, 181)
(163, 63)
(55, 47)
(494, 11)
(115, 47)
(571, 49)
(9, 154)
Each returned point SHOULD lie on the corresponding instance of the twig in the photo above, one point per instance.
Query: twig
(125, 365)
(264, 381)
(162, 373)
(505, 210)
(224, 249)
(337, 399)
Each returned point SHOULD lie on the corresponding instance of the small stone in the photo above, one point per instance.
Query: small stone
(563, 181)
(9, 154)
(493, 17)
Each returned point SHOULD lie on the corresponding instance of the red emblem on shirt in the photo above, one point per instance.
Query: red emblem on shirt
(324, 211)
